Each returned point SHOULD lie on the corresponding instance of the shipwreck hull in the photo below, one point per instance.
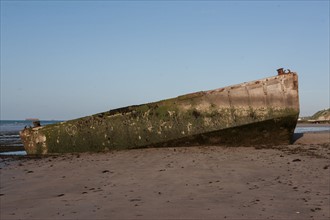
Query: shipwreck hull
(258, 112)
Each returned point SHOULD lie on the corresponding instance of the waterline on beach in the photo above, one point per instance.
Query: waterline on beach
(308, 129)
(18, 153)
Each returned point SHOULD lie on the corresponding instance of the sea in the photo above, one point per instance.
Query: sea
(9, 132)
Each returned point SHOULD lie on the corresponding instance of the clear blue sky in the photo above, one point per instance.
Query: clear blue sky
(68, 59)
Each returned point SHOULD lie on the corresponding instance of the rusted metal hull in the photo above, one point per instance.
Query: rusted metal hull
(258, 112)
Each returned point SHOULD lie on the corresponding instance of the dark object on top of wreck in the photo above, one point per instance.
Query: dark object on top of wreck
(36, 123)
(281, 71)
(252, 113)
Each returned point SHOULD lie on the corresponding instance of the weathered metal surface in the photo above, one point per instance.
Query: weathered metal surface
(258, 112)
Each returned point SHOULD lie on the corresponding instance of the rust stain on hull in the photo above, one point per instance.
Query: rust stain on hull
(257, 112)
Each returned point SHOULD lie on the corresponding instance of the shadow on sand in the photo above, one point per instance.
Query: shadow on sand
(297, 136)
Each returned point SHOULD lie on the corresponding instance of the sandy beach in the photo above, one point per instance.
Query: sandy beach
(211, 182)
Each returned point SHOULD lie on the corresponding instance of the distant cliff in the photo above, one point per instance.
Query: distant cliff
(322, 115)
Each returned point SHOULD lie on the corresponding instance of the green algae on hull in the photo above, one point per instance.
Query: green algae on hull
(257, 112)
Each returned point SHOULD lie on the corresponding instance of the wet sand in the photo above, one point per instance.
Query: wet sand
(283, 182)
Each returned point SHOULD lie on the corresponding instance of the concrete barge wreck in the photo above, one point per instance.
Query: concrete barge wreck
(261, 112)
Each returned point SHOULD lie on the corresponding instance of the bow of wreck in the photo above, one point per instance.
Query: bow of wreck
(258, 112)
